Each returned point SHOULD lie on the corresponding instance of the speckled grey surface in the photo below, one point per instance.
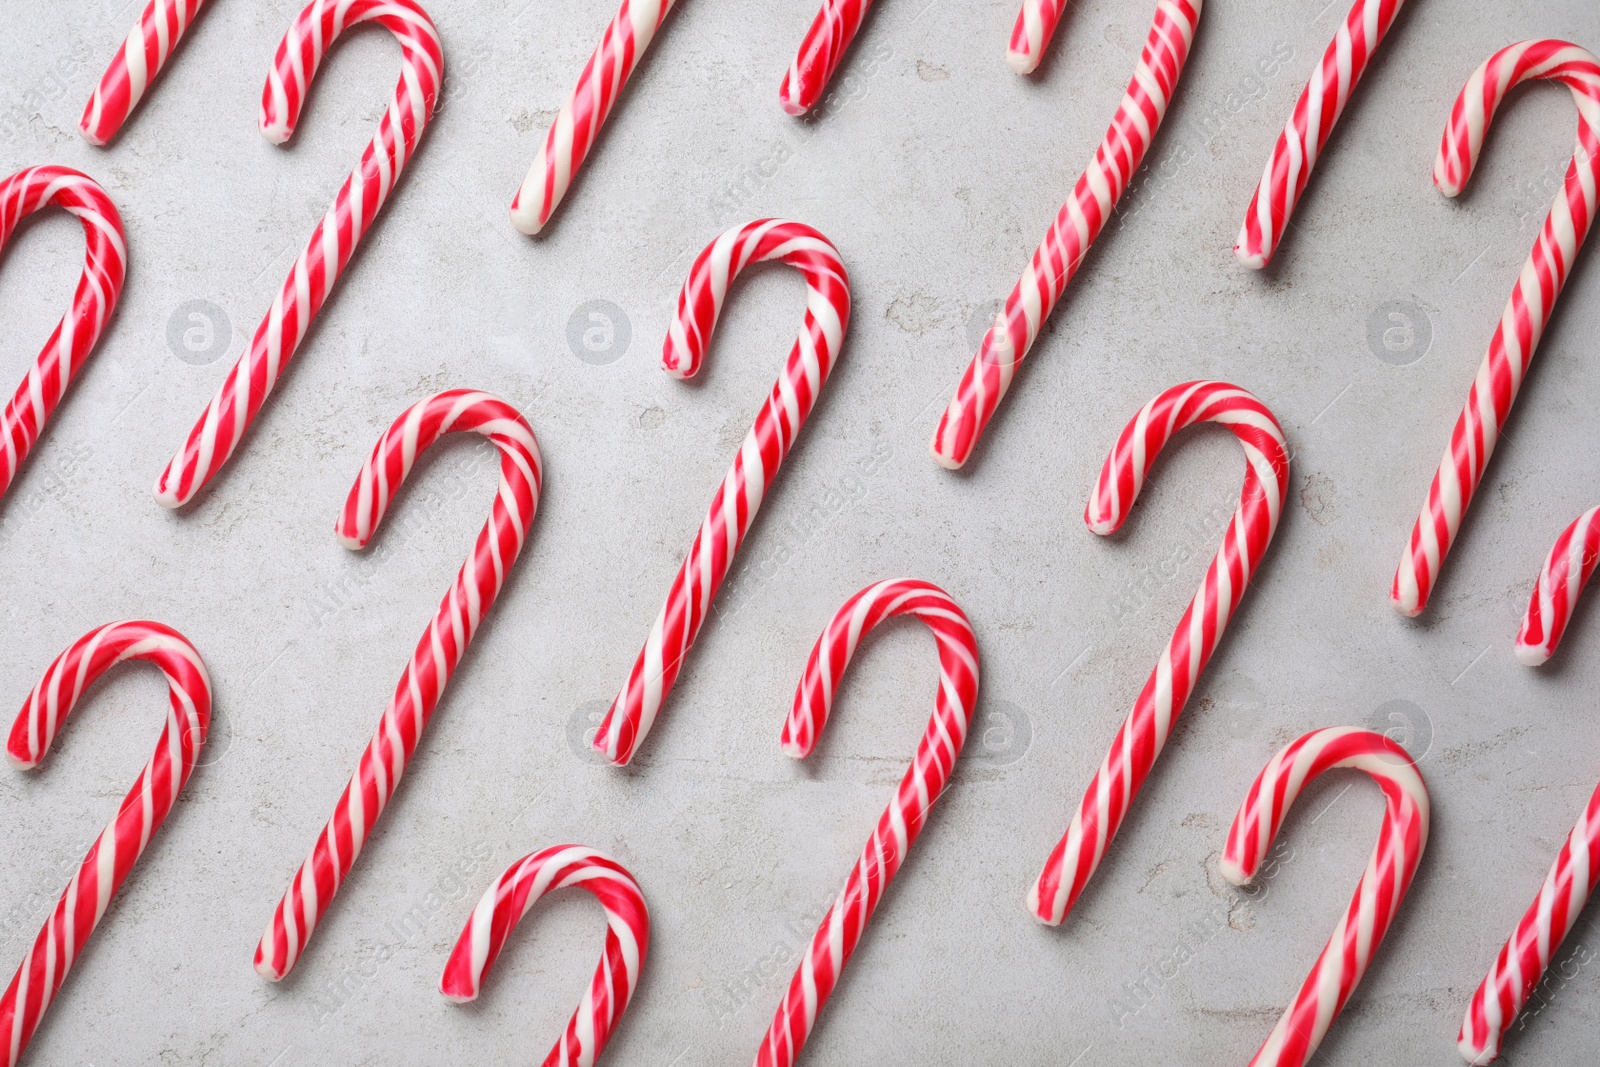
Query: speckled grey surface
(936, 173)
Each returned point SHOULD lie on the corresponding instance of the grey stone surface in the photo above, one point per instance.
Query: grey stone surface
(936, 173)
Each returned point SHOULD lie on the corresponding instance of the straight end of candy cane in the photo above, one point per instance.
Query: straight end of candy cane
(953, 441)
(166, 492)
(354, 544)
(1404, 594)
(455, 995)
(276, 130)
(1023, 62)
(1046, 913)
(790, 98)
(1479, 1055)
(20, 761)
(1253, 258)
(264, 966)
(527, 222)
(1532, 654)
(86, 128)
(944, 459)
(1235, 874)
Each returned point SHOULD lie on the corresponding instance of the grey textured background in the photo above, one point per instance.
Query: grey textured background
(936, 171)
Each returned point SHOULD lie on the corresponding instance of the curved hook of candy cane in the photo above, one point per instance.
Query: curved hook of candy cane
(577, 126)
(438, 651)
(153, 38)
(1079, 222)
(1522, 962)
(820, 52)
(74, 338)
(111, 858)
(1500, 377)
(1567, 569)
(1144, 733)
(776, 426)
(902, 822)
(1377, 898)
(1310, 125)
(512, 895)
(220, 428)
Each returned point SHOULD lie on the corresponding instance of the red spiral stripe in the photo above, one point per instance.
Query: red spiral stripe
(512, 895)
(1377, 898)
(820, 51)
(135, 66)
(1566, 571)
(144, 809)
(1141, 737)
(1310, 125)
(897, 830)
(1521, 964)
(578, 124)
(739, 497)
(438, 651)
(1074, 230)
(223, 424)
(1494, 390)
(63, 355)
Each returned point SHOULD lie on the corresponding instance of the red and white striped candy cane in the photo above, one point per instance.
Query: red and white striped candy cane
(1144, 733)
(513, 895)
(902, 821)
(438, 651)
(578, 124)
(776, 426)
(75, 336)
(820, 51)
(1310, 125)
(222, 426)
(1074, 230)
(1521, 965)
(1494, 390)
(1566, 571)
(1377, 898)
(1036, 24)
(135, 66)
(117, 849)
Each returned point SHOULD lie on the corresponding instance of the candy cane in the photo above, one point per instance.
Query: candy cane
(902, 821)
(823, 47)
(1036, 25)
(573, 134)
(1520, 967)
(1310, 125)
(777, 424)
(218, 432)
(75, 336)
(1566, 571)
(1140, 738)
(1505, 366)
(144, 809)
(438, 650)
(1070, 236)
(132, 69)
(1383, 885)
(512, 895)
